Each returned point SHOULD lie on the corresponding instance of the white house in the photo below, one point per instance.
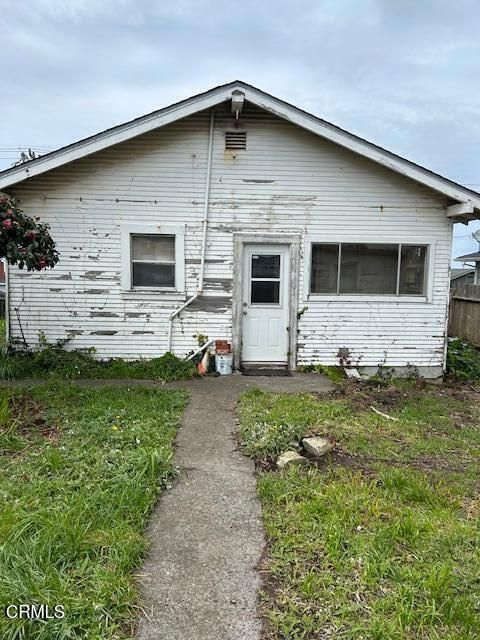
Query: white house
(239, 216)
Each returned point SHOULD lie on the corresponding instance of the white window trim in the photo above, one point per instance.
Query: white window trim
(361, 297)
(126, 232)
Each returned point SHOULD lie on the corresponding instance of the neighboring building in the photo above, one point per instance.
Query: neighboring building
(461, 276)
(239, 216)
(475, 258)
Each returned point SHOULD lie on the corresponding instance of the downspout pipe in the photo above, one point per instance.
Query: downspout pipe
(206, 206)
(202, 348)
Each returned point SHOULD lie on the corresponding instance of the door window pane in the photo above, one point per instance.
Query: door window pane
(265, 266)
(265, 291)
(153, 248)
(145, 274)
(369, 268)
(412, 270)
(324, 268)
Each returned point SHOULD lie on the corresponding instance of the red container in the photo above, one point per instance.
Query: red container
(222, 347)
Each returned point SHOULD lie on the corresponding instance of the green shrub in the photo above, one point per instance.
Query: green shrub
(54, 361)
(463, 360)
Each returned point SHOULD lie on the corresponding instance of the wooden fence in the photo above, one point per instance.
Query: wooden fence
(464, 314)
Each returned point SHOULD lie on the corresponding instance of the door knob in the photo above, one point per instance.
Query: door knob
(244, 313)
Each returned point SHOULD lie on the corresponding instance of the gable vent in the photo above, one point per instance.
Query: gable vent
(235, 140)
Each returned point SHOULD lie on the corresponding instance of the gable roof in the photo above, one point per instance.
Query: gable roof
(469, 200)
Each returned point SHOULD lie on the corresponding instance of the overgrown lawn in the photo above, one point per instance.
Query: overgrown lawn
(80, 469)
(382, 540)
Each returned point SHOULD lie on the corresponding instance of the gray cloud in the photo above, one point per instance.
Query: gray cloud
(402, 74)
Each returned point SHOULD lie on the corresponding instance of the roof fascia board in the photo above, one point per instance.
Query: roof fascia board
(363, 148)
(116, 135)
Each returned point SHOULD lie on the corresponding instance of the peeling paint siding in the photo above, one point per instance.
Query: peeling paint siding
(287, 180)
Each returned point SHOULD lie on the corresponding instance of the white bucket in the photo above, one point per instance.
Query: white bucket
(224, 363)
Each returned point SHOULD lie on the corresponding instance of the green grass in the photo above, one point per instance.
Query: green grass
(80, 469)
(387, 548)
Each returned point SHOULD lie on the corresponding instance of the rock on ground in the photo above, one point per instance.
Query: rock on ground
(317, 446)
(289, 458)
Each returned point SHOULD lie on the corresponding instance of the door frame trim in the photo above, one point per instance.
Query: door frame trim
(239, 242)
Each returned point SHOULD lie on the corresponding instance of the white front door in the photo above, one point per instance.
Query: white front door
(265, 300)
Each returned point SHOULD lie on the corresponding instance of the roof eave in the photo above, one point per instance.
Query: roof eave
(116, 135)
(470, 200)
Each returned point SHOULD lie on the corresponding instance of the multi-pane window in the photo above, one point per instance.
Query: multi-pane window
(153, 260)
(368, 268)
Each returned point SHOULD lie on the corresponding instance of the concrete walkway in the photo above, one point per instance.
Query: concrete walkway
(199, 581)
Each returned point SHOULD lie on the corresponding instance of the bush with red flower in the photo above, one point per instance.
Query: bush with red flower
(24, 240)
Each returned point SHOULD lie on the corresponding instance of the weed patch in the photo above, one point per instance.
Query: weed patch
(335, 374)
(54, 361)
(463, 361)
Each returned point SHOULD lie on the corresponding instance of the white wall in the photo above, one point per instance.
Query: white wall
(288, 180)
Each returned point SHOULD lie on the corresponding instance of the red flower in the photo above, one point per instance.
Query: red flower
(7, 223)
(42, 263)
(30, 235)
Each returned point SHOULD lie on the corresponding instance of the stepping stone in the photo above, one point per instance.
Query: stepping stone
(317, 446)
(289, 458)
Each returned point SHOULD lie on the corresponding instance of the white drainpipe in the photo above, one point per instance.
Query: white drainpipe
(200, 349)
(201, 276)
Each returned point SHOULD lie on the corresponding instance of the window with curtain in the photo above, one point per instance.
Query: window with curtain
(153, 260)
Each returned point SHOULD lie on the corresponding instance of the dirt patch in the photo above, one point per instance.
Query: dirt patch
(362, 395)
(459, 390)
(364, 464)
(26, 420)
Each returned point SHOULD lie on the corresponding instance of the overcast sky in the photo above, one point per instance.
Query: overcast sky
(401, 73)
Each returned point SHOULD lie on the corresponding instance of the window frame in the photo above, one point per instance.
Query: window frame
(368, 297)
(129, 230)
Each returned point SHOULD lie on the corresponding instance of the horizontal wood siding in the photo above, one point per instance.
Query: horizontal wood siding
(288, 180)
